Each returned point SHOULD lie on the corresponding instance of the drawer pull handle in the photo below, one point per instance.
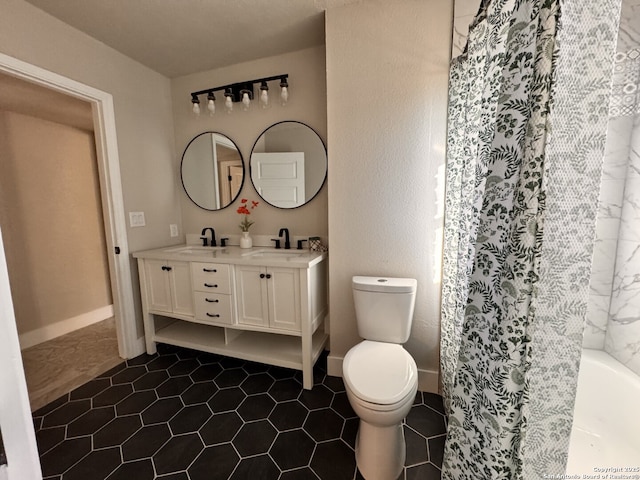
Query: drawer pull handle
(213, 315)
(210, 286)
(268, 275)
(262, 275)
(211, 300)
(209, 270)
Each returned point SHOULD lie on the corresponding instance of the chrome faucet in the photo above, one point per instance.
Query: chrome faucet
(287, 243)
(204, 239)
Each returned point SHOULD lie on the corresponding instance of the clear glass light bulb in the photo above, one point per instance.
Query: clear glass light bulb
(228, 104)
(246, 101)
(284, 95)
(196, 108)
(211, 106)
(264, 98)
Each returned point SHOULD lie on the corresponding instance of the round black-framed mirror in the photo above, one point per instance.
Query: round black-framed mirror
(212, 171)
(288, 164)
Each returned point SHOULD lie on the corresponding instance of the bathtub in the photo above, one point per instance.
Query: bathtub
(606, 422)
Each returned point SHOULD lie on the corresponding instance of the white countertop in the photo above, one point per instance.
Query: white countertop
(265, 256)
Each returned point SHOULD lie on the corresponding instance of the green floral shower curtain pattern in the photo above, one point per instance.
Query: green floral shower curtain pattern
(500, 93)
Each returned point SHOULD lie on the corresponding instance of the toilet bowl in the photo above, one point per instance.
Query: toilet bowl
(381, 380)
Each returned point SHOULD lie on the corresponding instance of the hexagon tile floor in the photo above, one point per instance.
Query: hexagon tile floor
(187, 415)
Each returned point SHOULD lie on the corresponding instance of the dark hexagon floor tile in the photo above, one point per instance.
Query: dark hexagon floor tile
(145, 442)
(350, 432)
(231, 378)
(162, 362)
(112, 371)
(178, 453)
(254, 438)
(426, 471)
(112, 395)
(199, 393)
(260, 467)
(286, 389)
(256, 407)
(162, 410)
(183, 367)
(292, 449)
(206, 358)
(174, 476)
(57, 460)
(90, 422)
(342, 406)
(416, 447)
(90, 389)
(98, 464)
(300, 474)
(66, 413)
(257, 383)
(434, 401)
(255, 367)
(190, 419)
(318, 397)
(436, 449)
(116, 431)
(335, 384)
(206, 372)
(221, 428)
(185, 353)
(128, 375)
(288, 415)
(227, 399)
(41, 412)
(150, 380)
(281, 373)
(49, 438)
(214, 462)
(334, 460)
(323, 424)
(230, 362)
(174, 386)
(141, 360)
(138, 470)
(426, 421)
(418, 399)
(136, 402)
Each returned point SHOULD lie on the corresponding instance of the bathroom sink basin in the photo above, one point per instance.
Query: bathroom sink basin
(279, 254)
(193, 250)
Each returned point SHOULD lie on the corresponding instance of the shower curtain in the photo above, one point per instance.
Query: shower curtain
(521, 200)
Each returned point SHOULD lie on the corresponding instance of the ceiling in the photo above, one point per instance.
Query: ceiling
(181, 37)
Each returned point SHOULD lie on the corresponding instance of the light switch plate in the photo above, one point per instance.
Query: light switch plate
(173, 228)
(136, 219)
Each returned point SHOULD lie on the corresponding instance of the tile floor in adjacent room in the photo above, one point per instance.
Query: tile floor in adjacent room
(190, 415)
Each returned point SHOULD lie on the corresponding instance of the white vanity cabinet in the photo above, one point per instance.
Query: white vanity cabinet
(268, 297)
(168, 287)
(257, 305)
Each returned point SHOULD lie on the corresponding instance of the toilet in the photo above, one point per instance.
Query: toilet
(380, 376)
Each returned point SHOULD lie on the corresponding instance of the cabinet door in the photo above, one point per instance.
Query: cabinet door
(251, 295)
(158, 289)
(283, 287)
(181, 292)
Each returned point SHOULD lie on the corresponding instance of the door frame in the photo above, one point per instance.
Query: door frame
(110, 191)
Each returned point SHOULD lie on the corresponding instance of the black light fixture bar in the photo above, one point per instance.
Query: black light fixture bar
(237, 89)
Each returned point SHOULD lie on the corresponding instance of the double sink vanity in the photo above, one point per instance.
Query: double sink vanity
(261, 304)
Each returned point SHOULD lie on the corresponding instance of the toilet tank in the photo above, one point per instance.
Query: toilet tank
(384, 307)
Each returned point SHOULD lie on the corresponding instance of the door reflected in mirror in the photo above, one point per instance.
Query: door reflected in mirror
(212, 171)
(288, 164)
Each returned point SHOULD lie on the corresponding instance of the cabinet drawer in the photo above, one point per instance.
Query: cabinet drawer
(211, 277)
(213, 308)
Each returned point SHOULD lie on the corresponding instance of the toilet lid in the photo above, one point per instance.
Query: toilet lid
(382, 373)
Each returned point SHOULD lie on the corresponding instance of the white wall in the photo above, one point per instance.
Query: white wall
(307, 104)
(387, 73)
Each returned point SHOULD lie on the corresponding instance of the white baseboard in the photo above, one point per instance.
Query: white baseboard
(428, 380)
(49, 332)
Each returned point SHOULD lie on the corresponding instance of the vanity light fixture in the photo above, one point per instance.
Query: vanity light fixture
(241, 92)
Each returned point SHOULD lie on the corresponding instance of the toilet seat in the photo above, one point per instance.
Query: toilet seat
(380, 374)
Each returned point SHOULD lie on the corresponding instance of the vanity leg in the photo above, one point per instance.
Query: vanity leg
(148, 329)
(307, 364)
